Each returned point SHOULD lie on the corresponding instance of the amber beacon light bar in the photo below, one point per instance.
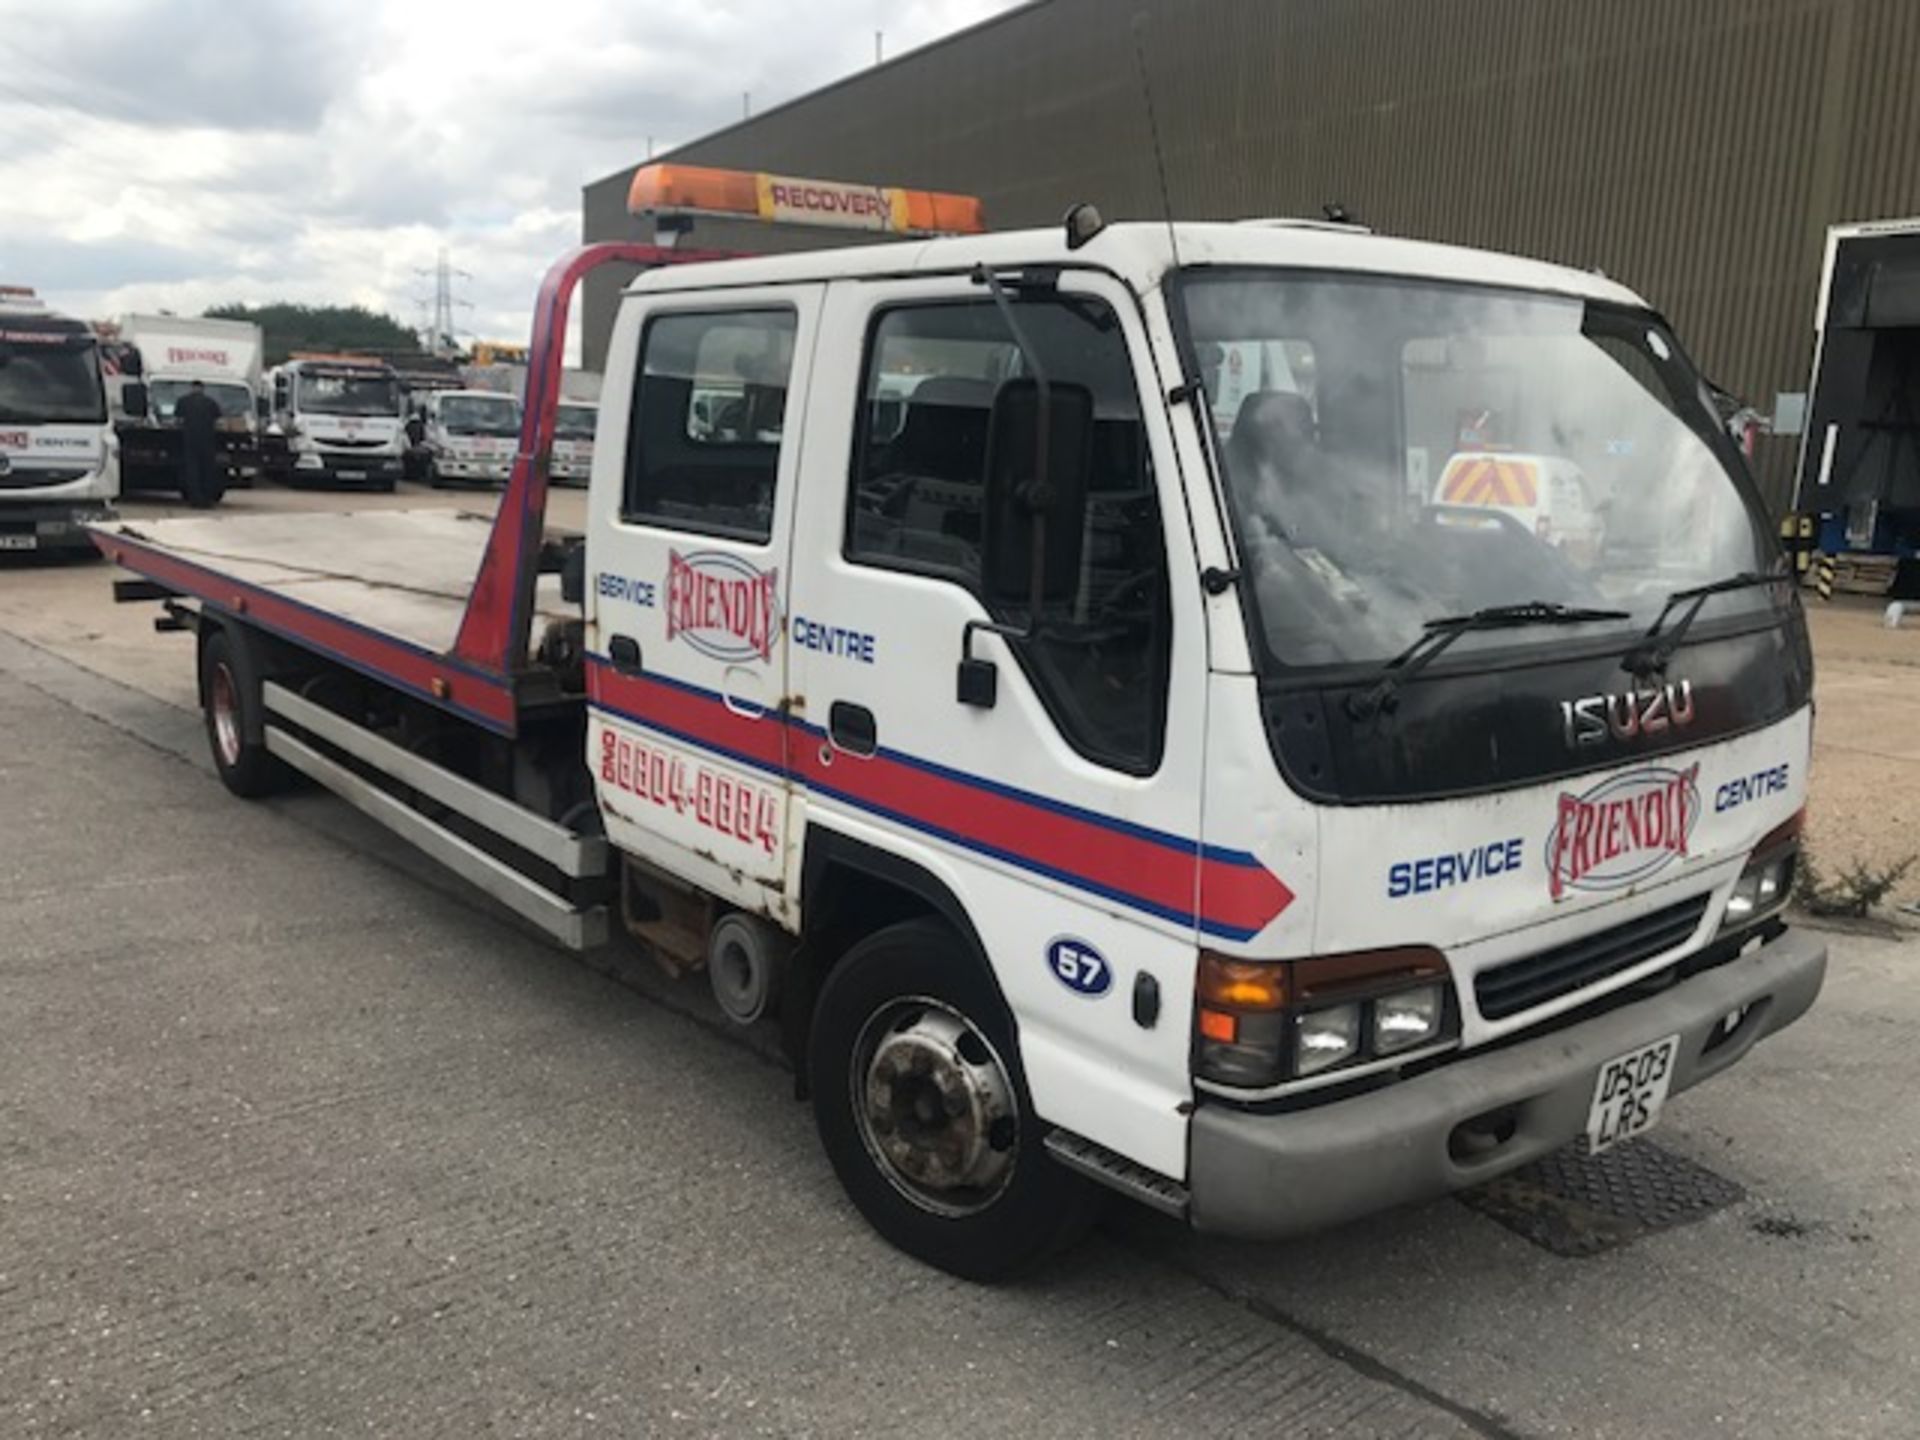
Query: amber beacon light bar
(786, 200)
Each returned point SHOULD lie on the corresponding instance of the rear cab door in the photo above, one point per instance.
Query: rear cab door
(690, 519)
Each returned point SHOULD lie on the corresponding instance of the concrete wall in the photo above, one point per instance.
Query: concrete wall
(1694, 149)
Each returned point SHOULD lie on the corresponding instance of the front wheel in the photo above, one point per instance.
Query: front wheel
(923, 1109)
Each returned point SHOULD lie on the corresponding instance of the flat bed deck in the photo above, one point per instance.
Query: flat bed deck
(382, 591)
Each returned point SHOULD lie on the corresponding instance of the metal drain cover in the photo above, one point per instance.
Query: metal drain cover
(1575, 1204)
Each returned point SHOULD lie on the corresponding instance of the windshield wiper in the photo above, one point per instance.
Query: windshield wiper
(1651, 652)
(1437, 635)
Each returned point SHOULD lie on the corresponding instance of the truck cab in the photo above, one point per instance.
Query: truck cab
(469, 436)
(1320, 842)
(341, 417)
(59, 460)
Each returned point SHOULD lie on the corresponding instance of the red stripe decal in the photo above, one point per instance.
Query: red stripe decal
(1237, 895)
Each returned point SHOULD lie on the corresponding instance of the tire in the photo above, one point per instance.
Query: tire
(987, 1201)
(230, 704)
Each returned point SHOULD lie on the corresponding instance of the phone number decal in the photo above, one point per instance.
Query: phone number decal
(736, 808)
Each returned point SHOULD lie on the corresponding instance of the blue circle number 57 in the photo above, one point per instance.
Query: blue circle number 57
(1079, 967)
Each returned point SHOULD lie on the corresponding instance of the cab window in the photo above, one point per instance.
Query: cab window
(1099, 659)
(709, 409)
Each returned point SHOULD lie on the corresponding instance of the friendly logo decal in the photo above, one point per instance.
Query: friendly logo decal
(1624, 829)
(723, 606)
(1079, 967)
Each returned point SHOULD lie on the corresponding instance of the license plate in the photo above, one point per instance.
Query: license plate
(19, 542)
(1629, 1092)
(353, 474)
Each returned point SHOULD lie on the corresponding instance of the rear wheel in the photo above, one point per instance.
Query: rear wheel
(230, 690)
(923, 1109)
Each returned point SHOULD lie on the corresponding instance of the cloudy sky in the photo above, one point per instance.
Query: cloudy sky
(179, 153)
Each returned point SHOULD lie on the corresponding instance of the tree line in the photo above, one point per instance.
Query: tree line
(326, 328)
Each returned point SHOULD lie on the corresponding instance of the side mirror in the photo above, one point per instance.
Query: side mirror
(131, 365)
(1039, 453)
(1033, 525)
(262, 407)
(133, 400)
(280, 389)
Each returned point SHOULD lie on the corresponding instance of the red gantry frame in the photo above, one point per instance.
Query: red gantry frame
(494, 631)
(486, 676)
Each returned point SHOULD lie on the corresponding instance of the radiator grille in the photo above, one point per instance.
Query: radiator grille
(1521, 984)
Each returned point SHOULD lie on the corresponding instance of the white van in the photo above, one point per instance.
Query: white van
(1547, 495)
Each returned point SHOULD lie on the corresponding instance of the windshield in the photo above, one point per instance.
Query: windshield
(48, 377)
(1400, 450)
(574, 422)
(233, 400)
(324, 394)
(480, 414)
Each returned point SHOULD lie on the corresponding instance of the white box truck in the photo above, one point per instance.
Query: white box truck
(225, 356)
(59, 461)
(1095, 789)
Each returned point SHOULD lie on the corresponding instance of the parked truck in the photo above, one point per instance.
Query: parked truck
(59, 461)
(468, 436)
(1094, 791)
(573, 427)
(175, 351)
(341, 417)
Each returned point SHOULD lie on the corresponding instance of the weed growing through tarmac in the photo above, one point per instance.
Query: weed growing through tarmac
(1852, 893)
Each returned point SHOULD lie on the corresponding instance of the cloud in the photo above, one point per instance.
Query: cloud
(178, 153)
(188, 63)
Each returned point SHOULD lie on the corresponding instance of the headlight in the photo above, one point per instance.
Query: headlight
(308, 460)
(1325, 1038)
(1767, 883)
(1408, 1018)
(1263, 1022)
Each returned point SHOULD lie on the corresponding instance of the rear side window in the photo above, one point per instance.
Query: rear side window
(709, 410)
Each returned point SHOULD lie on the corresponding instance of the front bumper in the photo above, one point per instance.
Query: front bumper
(476, 472)
(51, 527)
(1271, 1175)
(370, 468)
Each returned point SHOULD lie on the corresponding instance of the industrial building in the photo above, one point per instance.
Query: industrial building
(1696, 151)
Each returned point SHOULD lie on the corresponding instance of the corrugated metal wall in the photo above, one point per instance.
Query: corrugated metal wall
(1694, 149)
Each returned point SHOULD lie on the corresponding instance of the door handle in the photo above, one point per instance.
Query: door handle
(624, 652)
(852, 728)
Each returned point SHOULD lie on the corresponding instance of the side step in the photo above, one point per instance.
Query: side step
(579, 856)
(1116, 1172)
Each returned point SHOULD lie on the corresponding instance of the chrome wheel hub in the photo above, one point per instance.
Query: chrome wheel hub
(223, 699)
(935, 1106)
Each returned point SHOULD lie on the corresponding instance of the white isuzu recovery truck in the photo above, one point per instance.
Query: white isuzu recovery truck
(470, 436)
(1096, 790)
(59, 463)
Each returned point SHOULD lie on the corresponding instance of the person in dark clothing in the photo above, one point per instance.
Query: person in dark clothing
(197, 413)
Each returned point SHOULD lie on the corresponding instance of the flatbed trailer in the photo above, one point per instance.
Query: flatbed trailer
(446, 628)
